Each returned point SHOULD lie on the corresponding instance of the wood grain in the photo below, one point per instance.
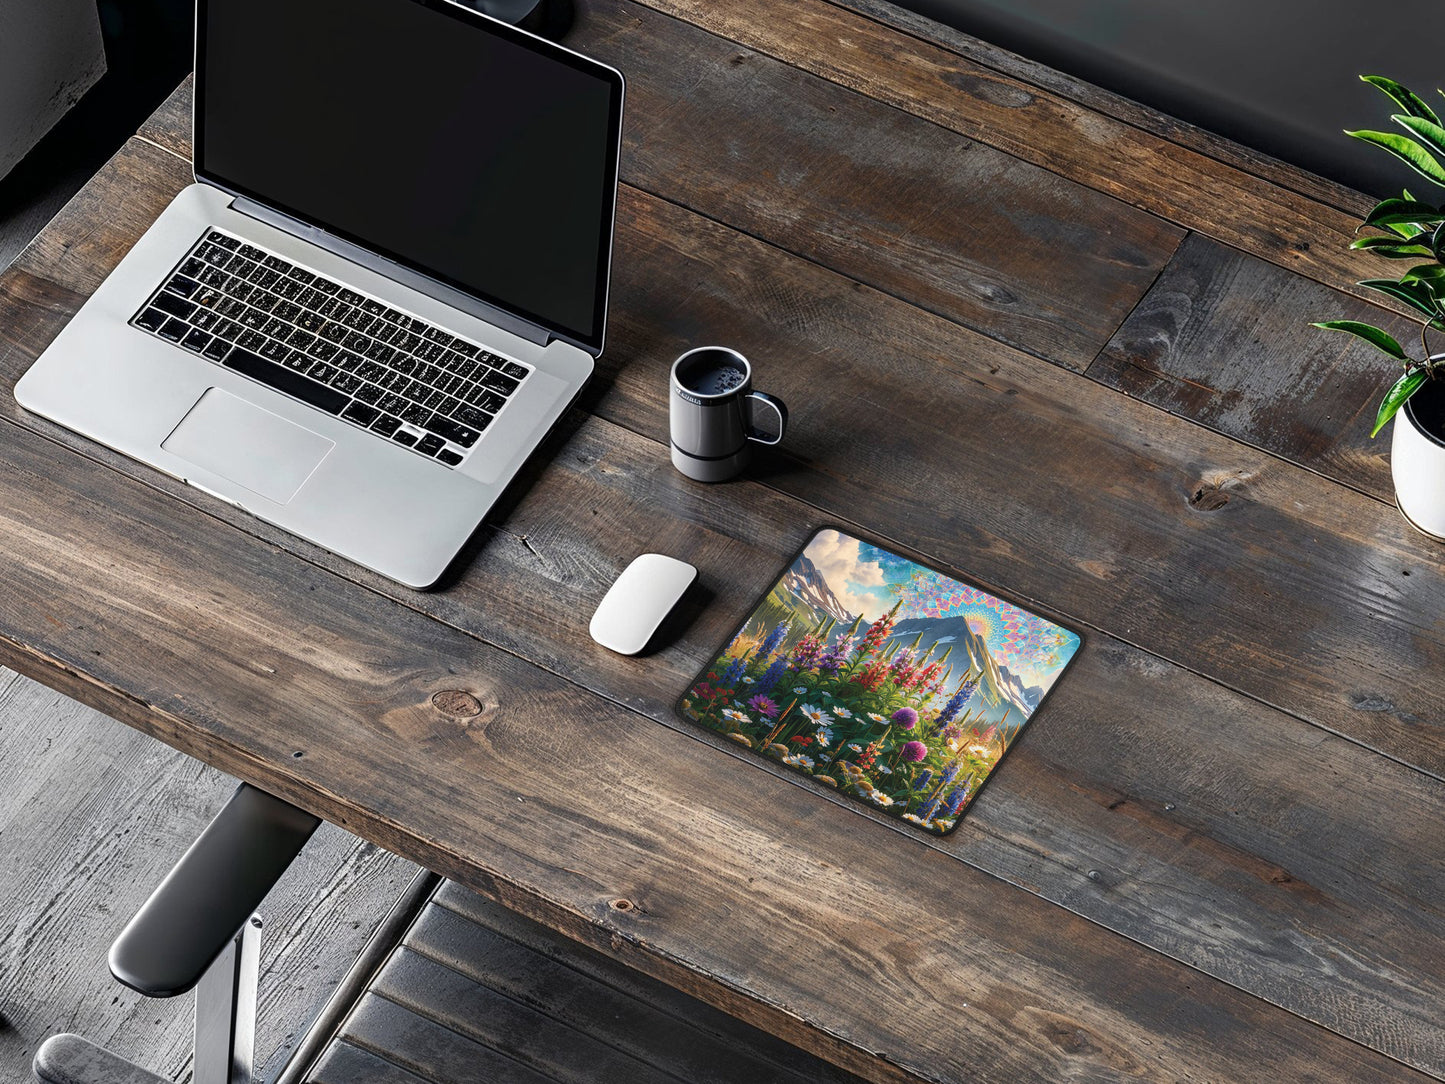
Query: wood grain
(1098, 100)
(1223, 339)
(595, 495)
(560, 803)
(1178, 183)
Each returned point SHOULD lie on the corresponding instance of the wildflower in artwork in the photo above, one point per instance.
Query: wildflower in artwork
(884, 679)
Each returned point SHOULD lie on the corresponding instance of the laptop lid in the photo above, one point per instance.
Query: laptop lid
(458, 146)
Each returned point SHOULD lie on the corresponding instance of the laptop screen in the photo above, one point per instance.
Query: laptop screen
(452, 144)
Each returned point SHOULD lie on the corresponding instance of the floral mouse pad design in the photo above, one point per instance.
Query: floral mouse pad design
(882, 678)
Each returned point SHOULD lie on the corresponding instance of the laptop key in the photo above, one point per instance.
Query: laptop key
(386, 425)
(174, 330)
(360, 413)
(515, 371)
(274, 350)
(183, 286)
(450, 430)
(283, 379)
(251, 340)
(347, 382)
(174, 306)
(449, 457)
(429, 444)
(217, 350)
(322, 372)
(369, 393)
(298, 362)
(403, 437)
(417, 415)
(472, 417)
(196, 340)
(151, 319)
(498, 382)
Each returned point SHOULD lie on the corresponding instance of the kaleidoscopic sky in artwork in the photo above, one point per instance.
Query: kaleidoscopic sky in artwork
(870, 580)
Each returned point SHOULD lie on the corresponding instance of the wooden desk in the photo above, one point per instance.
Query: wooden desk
(1029, 332)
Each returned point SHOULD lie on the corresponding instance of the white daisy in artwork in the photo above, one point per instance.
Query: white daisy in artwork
(813, 715)
(800, 689)
(825, 737)
(735, 716)
(841, 712)
(875, 717)
(798, 760)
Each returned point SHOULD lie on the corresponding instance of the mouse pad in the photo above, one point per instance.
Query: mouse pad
(882, 678)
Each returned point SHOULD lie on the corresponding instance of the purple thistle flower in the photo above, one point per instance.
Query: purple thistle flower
(914, 751)
(772, 675)
(907, 718)
(763, 706)
(774, 638)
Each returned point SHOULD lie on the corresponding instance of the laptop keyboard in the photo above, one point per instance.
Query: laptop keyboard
(353, 356)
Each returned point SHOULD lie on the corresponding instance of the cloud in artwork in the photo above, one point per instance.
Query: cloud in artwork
(858, 584)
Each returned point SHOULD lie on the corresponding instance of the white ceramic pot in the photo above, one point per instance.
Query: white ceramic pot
(1417, 459)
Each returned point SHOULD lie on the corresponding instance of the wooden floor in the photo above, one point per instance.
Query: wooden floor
(474, 993)
(92, 814)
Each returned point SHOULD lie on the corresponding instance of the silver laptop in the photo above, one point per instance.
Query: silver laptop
(387, 284)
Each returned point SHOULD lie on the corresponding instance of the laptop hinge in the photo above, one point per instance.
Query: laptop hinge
(447, 295)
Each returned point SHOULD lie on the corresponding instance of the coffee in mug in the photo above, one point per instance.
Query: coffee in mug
(713, 409)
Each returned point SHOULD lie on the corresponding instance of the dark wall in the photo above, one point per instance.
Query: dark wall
(1278, 75)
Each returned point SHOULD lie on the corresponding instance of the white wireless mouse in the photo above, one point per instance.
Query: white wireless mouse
(635, 605)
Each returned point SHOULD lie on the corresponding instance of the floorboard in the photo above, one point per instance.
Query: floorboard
(92, 814)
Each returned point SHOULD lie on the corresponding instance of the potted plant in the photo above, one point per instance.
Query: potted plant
(1414, 230)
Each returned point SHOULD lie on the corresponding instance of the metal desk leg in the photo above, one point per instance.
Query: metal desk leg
(226, 1011)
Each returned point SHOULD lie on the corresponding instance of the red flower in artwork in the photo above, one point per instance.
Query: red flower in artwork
(801, 739)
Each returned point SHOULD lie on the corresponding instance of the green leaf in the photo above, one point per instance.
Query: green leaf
(1395, 398)
(1371, 334)
(1427, 131)
(1437, 241)
(1393, 248)
(1414, 294)
(1407, 150)
(1427, 273)
(1405, 98)
(1392, 212)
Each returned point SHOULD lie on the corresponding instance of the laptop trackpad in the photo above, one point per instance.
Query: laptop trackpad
(247, 445)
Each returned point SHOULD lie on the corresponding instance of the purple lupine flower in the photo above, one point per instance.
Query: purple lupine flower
(954, 802)
(734, 673)
(834, 658)
(949, 774)
(914, 751)
(773, 639)
(907, 718)
(772, 675)
(956, 702)
(922, 781)
(805, 655)
(930, 807)
(763, 706)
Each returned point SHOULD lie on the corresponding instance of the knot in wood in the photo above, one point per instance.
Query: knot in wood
(457, 703)
(622, 905)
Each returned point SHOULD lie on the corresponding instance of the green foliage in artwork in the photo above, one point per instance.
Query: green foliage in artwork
(856, 712)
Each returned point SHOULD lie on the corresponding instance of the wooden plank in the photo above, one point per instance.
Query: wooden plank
(881, 195)
(431, 1050)
(598, 997)
(1098, 100)
(561, 544)
(347, 1064)
(1177, 183)
(521, 1032)
(92, 815)
(1223, 340)
(562, 804)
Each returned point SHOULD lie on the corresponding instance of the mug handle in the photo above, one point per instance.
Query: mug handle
(778, 408)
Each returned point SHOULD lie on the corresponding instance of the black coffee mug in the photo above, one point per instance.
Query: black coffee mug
(711, 409)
